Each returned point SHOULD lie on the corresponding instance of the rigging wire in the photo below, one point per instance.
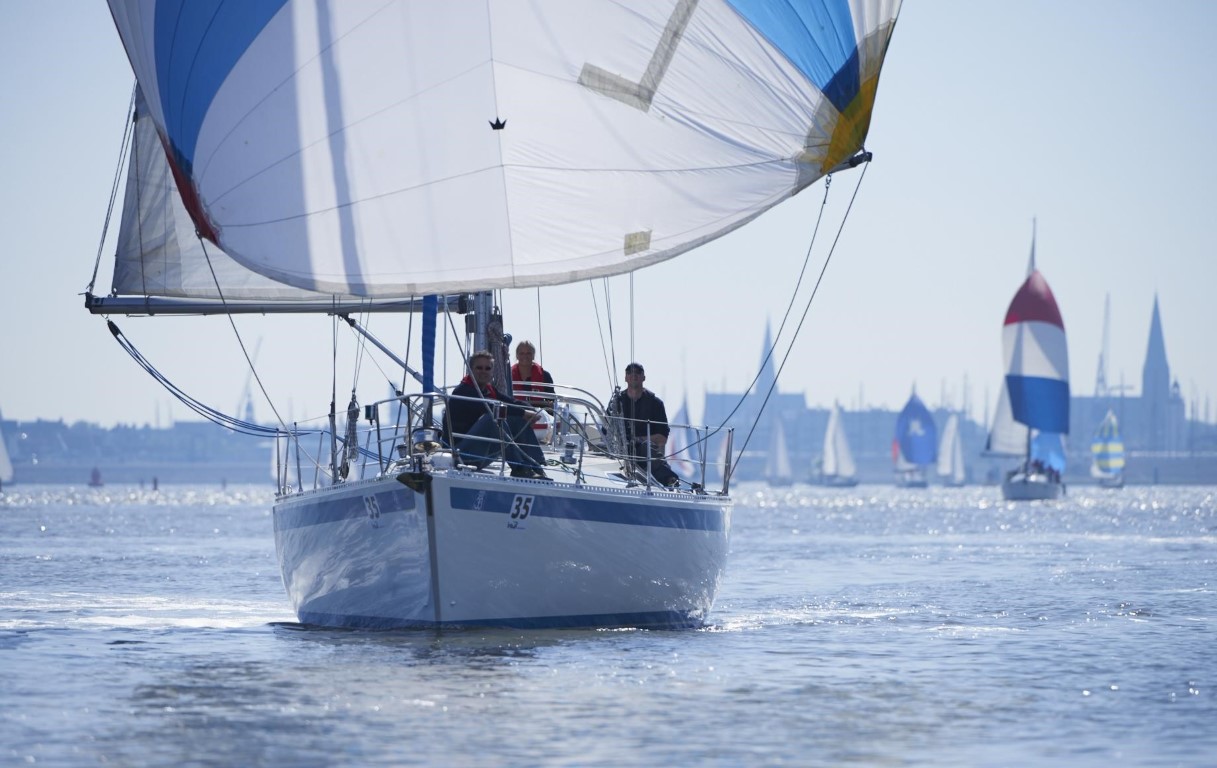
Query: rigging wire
(405, 371)
(608, 312)
(604, 348)
(608, 349)
(806, 307)
(460, 345)
(540, 325)
(211, 414)
(361, 352)
(703, 442)
(240, 341)
(236, 424)
(124, 147)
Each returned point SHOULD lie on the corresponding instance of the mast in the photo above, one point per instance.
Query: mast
(1100, 380)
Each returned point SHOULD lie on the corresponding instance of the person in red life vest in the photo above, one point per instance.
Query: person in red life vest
(530, 383)
(486, 423)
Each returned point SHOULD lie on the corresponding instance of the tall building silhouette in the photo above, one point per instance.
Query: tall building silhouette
(1153, 420)
(1156, 388)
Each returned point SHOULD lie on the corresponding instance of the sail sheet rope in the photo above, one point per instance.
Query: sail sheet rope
(785, 317)
(216, 416)
(211, 414)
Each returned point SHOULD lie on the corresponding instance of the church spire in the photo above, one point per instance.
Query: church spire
(764, 380)
(1155, 375)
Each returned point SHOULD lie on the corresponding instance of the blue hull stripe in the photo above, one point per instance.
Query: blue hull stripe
(639, 512)
(332, 510)
(702, 518)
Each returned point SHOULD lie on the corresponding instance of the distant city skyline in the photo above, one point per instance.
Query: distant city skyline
(963, 399)
(988, 116)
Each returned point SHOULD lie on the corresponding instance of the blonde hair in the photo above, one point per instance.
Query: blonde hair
(526, 344)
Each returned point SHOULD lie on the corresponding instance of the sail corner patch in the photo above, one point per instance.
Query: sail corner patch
(637, 242)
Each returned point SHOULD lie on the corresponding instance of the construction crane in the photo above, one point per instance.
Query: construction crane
(245, 407)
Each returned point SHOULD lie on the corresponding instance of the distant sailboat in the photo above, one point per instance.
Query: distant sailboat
(1037, 387)
(1107, 449)
(915, 445)
(723, 462)
(6, 465)
(837, 467)
(681, 457)
(777, 468)
(950, 454)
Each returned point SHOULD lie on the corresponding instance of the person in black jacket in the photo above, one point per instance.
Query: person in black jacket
(483, 420)
(646, 425)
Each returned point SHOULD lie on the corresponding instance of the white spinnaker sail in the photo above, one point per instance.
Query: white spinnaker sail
(158, 252)
(382, 150)
(1007, 437)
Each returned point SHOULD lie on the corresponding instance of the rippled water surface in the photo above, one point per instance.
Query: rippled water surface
(871, 626)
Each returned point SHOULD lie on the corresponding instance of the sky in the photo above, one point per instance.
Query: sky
(1093, 119)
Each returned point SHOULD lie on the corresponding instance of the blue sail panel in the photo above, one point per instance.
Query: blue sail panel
(916, 434)
(1039, 403)
(817, 38)
(197, 44)
(1048, 448)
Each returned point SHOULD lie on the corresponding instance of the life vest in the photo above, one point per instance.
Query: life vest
(521, 389)
(487, 391)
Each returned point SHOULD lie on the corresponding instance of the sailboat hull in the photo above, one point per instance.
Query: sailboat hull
(840, 481)
(1023, 488)
(465, 549)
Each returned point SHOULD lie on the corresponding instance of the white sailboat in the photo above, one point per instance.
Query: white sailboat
(6, 464)
(683, 447)
(950, 454)
(724, 457)
(777, 466)
(837, 467)
(350, 158)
